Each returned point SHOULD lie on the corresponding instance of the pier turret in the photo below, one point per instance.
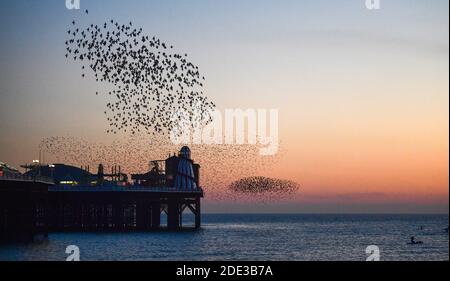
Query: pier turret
(185, 177)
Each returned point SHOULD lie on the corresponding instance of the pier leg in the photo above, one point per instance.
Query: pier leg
(197, 214)
(117, 216)
(77, 215)
(180, 219)
(104, 224)
(156, 215)
(173, 221)
(142, 215)
(46, 219)
(60, 214)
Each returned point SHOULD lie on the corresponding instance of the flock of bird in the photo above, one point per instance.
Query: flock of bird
(155, 91)
(221, 165)
(263, 185)
(151, 84)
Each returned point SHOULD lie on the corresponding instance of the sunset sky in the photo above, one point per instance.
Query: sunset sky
(363, 95)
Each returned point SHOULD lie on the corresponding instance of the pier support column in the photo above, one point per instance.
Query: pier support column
(60, 215)
(118, 215)
(156, 215)
(173, 218)
(197, 213)
(77, 213)
(142, 215)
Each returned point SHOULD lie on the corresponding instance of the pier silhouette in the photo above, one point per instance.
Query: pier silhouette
(59, 198)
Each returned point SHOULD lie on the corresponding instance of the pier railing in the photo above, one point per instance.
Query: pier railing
(25, 178)
(129, 188)
(122, 189)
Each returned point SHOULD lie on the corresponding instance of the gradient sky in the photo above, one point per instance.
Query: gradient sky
(363, 95)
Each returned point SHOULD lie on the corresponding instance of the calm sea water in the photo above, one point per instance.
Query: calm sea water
(257, 237)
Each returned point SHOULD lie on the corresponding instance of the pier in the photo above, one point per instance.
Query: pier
(120, 209)
(42, 201)
(29, 208)
(23, 203)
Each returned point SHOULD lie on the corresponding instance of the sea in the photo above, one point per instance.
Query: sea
(256, 237)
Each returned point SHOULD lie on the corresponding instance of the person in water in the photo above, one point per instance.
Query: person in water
(414, 242)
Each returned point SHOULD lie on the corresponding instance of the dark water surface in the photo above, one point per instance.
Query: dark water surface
(257, 237)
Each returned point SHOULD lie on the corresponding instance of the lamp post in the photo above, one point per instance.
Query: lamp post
(37, 168)
(52, 167)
